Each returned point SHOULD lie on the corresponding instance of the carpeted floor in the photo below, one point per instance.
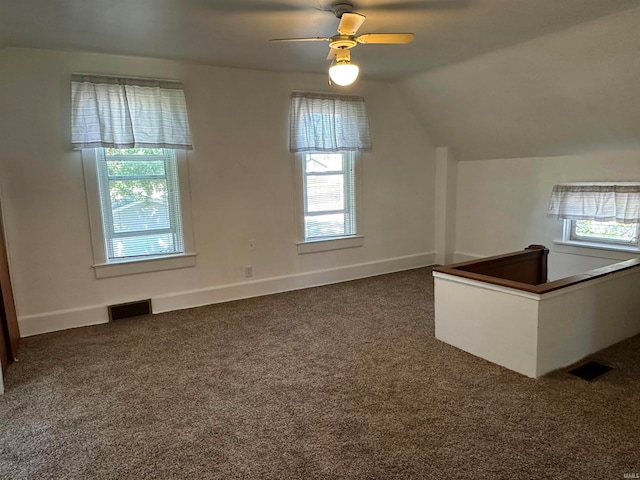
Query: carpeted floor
(344, 381)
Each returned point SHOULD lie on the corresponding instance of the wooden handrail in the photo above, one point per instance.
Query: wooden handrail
(503, 270)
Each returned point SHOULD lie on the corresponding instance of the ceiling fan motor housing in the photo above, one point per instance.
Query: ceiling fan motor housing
(342, 41)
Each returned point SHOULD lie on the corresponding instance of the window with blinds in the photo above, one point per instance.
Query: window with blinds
(140, 203)
(593, 231)
(329, 195)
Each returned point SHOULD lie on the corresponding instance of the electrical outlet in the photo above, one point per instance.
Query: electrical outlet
(252, 245)
(248, 271)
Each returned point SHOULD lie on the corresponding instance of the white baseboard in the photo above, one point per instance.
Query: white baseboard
(285, 283)
(97, 314)
(62, 320)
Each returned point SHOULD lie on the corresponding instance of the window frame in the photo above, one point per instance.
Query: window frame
(105, 268)
(320, 244)
(570, 234)
(607, 251)
(108, 221)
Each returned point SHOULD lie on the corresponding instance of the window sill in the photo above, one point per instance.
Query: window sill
(147, 265)
(325, 245)
(598, 250)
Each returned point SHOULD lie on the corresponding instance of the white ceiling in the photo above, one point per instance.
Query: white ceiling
(235, 33)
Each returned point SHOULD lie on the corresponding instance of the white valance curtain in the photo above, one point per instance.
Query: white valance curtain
(328, 123)
(118, 112)
(604, 202)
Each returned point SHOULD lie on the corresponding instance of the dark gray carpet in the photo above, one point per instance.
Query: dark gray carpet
(343, 381)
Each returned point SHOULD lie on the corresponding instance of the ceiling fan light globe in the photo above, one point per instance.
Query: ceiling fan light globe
(344, 74)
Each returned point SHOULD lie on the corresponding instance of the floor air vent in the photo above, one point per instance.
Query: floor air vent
(590, 370)
(128, 310)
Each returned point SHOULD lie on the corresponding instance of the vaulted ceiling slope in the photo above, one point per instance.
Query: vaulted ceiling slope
(571, 92)
(236, 32)
(488, 78)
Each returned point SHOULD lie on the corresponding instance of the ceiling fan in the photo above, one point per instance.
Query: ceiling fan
(342, 71)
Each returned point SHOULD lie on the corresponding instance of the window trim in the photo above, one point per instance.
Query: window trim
(569, 237)
(175, 221)
(348, 184)
(314, 245)
(613, 251)
(130, 266)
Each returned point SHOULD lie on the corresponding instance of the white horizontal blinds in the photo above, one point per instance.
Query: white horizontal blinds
(329, 195)
(139, 197)
(328, 123)
(604, 202)
(120, 112)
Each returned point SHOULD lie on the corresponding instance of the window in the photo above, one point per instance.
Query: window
(138, 209)
(602, 233)
(327, 132)
(601, 215)
(329, 195)
(139, 203)
(133, 133)
(328, 205)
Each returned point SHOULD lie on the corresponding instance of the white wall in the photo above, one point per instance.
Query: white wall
(242, 184)
(566, 93)
(502, 205)
(563, 107)
(552, 330)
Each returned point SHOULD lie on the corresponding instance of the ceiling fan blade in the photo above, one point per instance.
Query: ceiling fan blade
(332, 53)
(310, 39)
(350, 23)
(390, 38)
